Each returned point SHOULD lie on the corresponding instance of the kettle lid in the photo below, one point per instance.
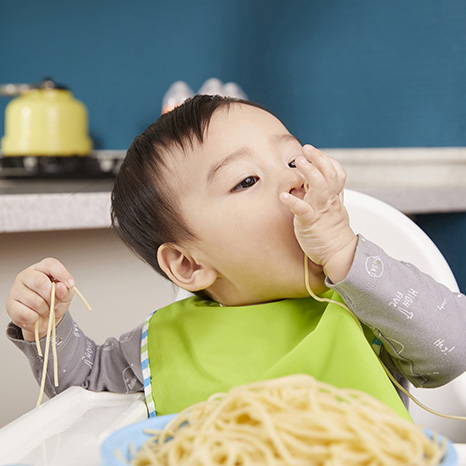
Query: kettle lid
(49, 83)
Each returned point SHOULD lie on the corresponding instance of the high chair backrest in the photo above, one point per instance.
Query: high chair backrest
(402, 239)
(397, 235)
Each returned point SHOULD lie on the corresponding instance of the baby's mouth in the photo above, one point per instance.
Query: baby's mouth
(298, 192)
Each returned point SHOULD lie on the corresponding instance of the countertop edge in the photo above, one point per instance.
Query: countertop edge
(414, 180)
(48, 212)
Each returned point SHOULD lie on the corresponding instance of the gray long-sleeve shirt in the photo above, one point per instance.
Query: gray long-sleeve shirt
(420, 323)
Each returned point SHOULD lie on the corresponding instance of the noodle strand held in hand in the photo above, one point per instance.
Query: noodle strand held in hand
(36, 334)
(292, 420)
(47, 343)
(51, 336)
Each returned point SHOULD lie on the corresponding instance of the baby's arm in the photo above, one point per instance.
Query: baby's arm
(114, 366)
(420, 322)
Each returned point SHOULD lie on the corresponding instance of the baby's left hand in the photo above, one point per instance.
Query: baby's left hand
(321, 220)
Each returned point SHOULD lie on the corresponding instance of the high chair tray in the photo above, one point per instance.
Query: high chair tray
(69, 429)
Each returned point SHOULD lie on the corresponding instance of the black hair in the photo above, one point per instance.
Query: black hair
(144, 212)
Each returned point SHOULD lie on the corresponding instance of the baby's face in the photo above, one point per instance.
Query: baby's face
(228, 189)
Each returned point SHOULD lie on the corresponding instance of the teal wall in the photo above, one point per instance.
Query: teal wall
(340, 73)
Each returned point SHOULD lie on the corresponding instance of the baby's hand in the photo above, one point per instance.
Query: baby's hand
(321, 221)
(29, 298)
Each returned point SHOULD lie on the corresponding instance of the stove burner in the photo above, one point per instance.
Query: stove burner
(65, 167)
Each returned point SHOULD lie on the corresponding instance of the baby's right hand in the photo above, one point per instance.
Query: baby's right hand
(29, 298)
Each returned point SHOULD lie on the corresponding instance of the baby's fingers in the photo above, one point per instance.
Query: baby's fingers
(63, 293)
(55, 270)
(326, 166)
(341, 174)
(299, 207)
(27, 309)
(26, 318)
(318, 193)
(32, 282)
(63, 297)
(43, 274)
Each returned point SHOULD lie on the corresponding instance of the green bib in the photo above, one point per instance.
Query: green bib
(196, 348)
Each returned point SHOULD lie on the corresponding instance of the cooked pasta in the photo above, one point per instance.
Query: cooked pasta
(292, 420)
(51, 337)
(47, 344)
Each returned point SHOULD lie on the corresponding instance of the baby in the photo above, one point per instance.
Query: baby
(222, 200)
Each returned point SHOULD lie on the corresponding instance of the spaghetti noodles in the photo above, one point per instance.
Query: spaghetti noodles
(51, 337)
(292, 420)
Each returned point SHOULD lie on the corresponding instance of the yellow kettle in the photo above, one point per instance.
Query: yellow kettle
(44, 120)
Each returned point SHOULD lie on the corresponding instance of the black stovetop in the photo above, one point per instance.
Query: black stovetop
(92, 166)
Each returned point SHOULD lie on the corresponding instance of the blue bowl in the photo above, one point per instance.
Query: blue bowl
(134, 435)
(130, 435)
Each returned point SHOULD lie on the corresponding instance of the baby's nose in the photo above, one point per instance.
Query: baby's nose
(291, 180)
(298, 187)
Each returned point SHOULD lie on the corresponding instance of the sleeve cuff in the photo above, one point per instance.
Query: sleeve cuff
(15, 334)
(366, 269)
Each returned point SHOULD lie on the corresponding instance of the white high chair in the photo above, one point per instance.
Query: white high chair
(402, 239)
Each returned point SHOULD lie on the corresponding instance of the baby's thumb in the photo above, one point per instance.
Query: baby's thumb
(300, 208)
(63, 297)
(63, 293)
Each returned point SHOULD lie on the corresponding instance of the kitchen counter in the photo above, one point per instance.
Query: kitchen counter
(54, 205)
(414, 180)
(412, 201)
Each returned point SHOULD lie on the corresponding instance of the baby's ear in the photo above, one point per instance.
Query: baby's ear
(183, 270)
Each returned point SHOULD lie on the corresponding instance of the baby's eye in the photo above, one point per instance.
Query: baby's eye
(292, 164)
(246, 183)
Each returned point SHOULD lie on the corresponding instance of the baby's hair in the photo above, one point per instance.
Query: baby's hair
(145, 213)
